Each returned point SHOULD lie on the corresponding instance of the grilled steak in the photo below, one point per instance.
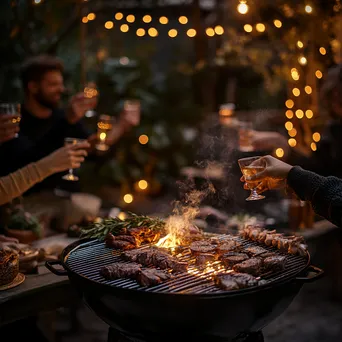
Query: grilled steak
(230, 259)
(274, 263)
(228, 246)
(202, 246)
(251, 266)
(120, 242)
(235, 281)
(157, 258)
(255, 250)
(151, 277)
(120, 270)
(202, 259)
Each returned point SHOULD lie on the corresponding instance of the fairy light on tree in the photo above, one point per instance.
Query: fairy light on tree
(279, 152)
(248, 28)
(183, 20)
(118, 16)
(242, 7)
(147, 18)
(163, 20)
(260, 27)
(128, 198)
(191, 33)
(277, 23)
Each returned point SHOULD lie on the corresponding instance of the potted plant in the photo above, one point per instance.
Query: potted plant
(23, 226)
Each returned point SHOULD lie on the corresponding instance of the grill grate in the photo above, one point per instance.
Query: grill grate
(87, 259)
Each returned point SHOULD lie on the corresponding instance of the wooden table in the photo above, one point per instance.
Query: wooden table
(40, 292)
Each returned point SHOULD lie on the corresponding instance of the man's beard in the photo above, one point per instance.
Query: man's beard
(41, 99)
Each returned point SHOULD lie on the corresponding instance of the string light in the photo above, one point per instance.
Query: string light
(279, 152)
(147, 18)
(319, 74)
(300, 44)
(128, 198)
(308, 9)
(191, 33)
(219, 30)
(313, 147)
(84, 20)
(299, 114)
(141, 32)
(292, 132)
(91, 16)
(172, 33)
(296, 92)
(309, 114)
(124, 28)
(130, 18)
(122, 216)
(109, 25)
(260, 27)
(289, 125)
(118, 16)
(302, 60)
(37, 2)
(316, 137)
(210, 32)
(289, 103)
(143, 139)
(242, 8)
(322, 51)
(308, 90)
(292, 142)
(248, 28)
(143, 184)
(289, 114)
(163, 20)
(152, 32)
(295, 74)
(183, 20)
(278, 23)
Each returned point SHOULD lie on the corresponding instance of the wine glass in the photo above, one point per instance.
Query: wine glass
(132, 109)
(249, 167)
(245, 136)
(91, 94)
(70, 175)
(104, 125)
(9, 109)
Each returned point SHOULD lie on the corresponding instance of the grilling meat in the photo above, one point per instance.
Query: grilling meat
(290, 244)
(202, 247)
(251, 266)
(120, 270)
(274, 263)
(151, 277)
(157, 258)
(133, 271)
(202, 259)
(255, 250)
(228, 246)
(235, 281)
(230, 259)
(119, 242)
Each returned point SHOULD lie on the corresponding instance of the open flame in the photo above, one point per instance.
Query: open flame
(179, 226)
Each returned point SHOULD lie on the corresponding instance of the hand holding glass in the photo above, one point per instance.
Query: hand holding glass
(70, 176)
(250, 167)
(132, 109)
(13, 109)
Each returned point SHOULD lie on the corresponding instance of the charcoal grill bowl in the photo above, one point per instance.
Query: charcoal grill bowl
(186, 317)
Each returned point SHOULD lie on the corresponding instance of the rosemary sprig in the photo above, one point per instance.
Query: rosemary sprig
(115, 225)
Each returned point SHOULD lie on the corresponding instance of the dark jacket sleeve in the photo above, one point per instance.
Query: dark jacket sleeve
(325, 193)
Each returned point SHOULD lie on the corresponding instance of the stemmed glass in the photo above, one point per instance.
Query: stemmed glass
(11, 109)
(249, 167)
(91, 94)
(104, 125)
(70, 175)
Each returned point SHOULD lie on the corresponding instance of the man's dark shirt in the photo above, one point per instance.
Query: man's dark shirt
(37, 139)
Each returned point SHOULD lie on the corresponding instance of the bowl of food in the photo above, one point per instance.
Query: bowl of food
(9, 266)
